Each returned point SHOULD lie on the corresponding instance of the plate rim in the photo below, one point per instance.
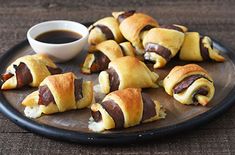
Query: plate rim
(109, 138)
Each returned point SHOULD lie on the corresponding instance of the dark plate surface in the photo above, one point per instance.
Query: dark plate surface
(73, 125)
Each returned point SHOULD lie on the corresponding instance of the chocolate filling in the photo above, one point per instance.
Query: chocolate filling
(147, 27)
(160, 50)
(186, 82)
(54, 70)
(6, 76)
(78, 89)
(113, 79)
(124, 15)
(115, 112)
(172, 27)
(45, 96)
(149, 107)
(96, 115)
(107, 32)
(201, 91)
(204, 51)
(23, 75)
(101, 62)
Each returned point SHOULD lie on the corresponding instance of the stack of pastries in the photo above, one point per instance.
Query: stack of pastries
(119, 46)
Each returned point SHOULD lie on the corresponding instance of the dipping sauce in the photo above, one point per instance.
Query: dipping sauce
(58, 37)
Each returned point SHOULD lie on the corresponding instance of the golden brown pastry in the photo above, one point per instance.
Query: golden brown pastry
(28, 70)
(189, 84)
(199, 48)
(58, 93)
(98, 59)
(126, 72)
(104, 29)
(127, 49)
(163, 43)
(123, 109)
(134, 26)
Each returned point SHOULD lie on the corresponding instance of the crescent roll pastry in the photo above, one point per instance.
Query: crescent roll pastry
(127, 49)
(98, 59)
(134, 26)
(163, 43)
(123, 109)
(189, 84)
(127, 72)
(199, 48)
(28, 70)
(58, 93)
(104, 29)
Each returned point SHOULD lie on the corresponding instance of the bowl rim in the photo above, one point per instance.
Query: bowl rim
(31, 39)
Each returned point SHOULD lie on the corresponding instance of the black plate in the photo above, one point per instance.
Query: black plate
(111, 138)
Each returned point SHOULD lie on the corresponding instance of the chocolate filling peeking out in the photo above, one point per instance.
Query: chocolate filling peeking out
(101, 62)
(78, 89)
(23, 75)
(6, 76)
(172, 27)
(125, 15)
(158, 49)
(96, 115)
(148, 107)
(201, 91)
(54, 70)
(113, 79)
(147, 27)
(115, 112)
(204, 51)
(104, 29)
(186, 82)
(45, 96)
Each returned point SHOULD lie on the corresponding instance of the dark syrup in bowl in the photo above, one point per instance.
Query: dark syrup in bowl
(58, 37)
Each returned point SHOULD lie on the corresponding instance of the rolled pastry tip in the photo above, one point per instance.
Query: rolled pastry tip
(199, 48)
(124, 108)
(29, 70)
(163, 43)
(98, 59)
(189, 84)
(58, 93)
(127, 72)
(104, 29)
(134, 26)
